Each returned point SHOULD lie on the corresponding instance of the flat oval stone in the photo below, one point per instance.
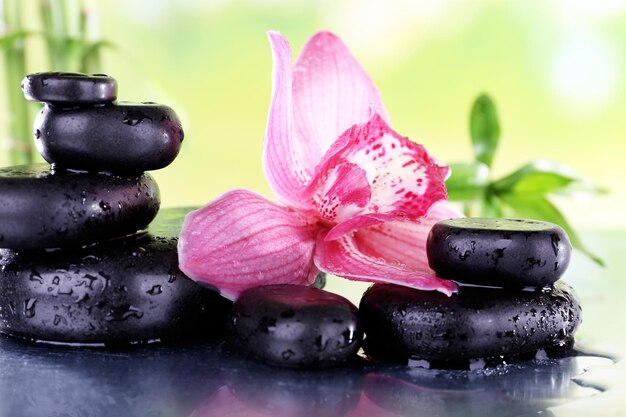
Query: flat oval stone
(44, 208)
(498, 252)
(294, 326)
(127, 291)
(475, 323)
(69, 88)
(125, 137)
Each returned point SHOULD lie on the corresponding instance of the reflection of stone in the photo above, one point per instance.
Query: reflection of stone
(286, 392)
(153, 381)
(519, 389)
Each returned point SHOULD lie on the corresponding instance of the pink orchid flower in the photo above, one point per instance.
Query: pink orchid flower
(357, 199)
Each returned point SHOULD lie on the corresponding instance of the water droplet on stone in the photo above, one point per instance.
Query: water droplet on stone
(29, 307)
(155, 290)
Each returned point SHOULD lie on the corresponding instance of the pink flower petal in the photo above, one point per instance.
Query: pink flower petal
(241, 240)
(403, 242)
(282, 153)
(342, 257)
(346, 193)
(405, 180)
(331, 92)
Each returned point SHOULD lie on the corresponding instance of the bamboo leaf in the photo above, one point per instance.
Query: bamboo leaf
(539, 178)
(542, 209)
(7, 40)
(467, 181)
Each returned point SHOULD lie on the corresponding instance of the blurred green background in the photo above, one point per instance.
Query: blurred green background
(556, 70)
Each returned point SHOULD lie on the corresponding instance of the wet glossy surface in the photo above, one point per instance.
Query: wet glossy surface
(126, 291)
(45, 208)
(208, 380)
(499, 252)
(477, 323)
(118, 137)
(294, 326)
(69, 89)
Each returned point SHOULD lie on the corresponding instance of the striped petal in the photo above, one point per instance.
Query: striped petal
(403, 242)
(331, 92)
(282, 153)
(343, 257)
(241, 240)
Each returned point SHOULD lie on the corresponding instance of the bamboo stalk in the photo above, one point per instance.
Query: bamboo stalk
(90, 62)
(19, 141)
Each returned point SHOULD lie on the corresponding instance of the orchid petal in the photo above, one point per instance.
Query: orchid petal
(282, 153)
(331, 92)
(405, 180)
(346, 193)
(403, 242)
(241, 240)
(342, 257)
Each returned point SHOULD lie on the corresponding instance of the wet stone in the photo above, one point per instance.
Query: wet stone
(69, 89)
(477, 323)
(498, 252)
(127, 291)
(119, 137)
(294, 326)
(44, 208)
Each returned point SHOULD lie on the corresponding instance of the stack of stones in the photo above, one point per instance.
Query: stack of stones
(509, 305)
(76, 262)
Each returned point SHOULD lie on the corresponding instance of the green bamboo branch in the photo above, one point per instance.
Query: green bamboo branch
(19, 141)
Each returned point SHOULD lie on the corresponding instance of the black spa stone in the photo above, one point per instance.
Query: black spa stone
(44, 208)
(294, 326)
(475, 323)
(69, 89)
(124, 137)
(498, 252)
(122, 292)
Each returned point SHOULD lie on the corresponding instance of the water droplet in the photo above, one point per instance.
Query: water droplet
(155, 290)
(35, 276)
(288, 354)
(29, 307)
(134, 117)
(123, 312)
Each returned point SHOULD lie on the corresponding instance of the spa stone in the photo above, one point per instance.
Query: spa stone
(44, 208)
(127, 291)
(498, 252)
(124, 137)
(475, 323)
(69, 89)
(294, 326)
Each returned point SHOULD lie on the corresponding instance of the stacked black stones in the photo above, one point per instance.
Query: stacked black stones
(509, 306)
(76, 265)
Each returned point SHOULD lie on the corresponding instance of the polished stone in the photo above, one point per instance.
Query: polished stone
(69, 89)
(476, 323)
(124, 137)
(294, 326)
(498, 252)
(127, 291)
(44, 208)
